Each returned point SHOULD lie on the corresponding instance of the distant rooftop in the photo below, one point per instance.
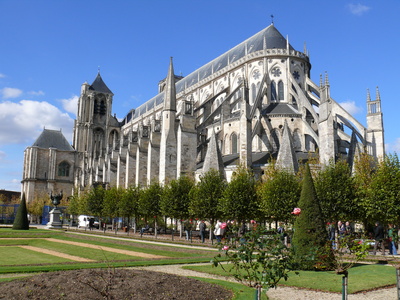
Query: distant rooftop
(52, 139)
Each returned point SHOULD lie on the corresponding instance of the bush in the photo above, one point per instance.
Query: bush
(21, 221)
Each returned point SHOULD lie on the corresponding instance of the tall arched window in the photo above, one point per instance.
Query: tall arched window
(273, 91)
(281, 94)
(63, 169)
(253, 93)
(234, 145)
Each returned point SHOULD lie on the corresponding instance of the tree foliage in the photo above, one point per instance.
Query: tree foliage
(149, 200)
(206, 195)
(382, 201)
(279, 194)
(239, 201)
(335, 189)
(258, 259)
(310, 236)
(175, 198)
(21, 221)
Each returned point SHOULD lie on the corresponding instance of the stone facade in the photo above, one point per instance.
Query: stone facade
(255, 102)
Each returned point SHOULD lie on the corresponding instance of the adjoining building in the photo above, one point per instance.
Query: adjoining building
(254, 103)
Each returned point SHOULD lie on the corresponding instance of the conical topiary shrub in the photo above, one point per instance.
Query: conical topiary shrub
(310, 245)
(21, 221)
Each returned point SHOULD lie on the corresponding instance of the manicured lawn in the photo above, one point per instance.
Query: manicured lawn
(30, 261)
(18, 256)
(361, 278)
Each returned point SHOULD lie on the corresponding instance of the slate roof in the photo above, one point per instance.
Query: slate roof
(280, 109)
(52, 139)
(268, 38)
(98, 85)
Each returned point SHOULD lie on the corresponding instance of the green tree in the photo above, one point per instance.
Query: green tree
(94, 201)
(21, 221)
(149, 202)
(111, 200)
(310, 236)
(175, 198)
(383, 195)
(364, 168)
(336, 192)
(239, 201)
(260, 262)
(279, 194)
(206, 195)
(128, 204)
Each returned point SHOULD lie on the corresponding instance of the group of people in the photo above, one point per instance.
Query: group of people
(382, 237)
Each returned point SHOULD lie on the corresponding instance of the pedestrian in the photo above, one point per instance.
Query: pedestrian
(379, 235)
(217, 231)
(392, 236)
(202, 228)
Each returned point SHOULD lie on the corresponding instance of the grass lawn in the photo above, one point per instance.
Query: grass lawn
(361, 278)
(19, 256)
(16, 259)
(240, 291)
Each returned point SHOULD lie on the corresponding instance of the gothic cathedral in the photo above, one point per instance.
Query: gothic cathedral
(254, 103)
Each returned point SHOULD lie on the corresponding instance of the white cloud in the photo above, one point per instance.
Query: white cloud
(394, 147)
(358, 9)
(36, 93)
(22, 122)
(351, 107)
(71, 104)
(8, 92)
(2, 75)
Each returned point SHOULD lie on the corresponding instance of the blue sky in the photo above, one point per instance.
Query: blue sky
(49, 48)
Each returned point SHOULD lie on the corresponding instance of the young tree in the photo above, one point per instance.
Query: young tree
(335, 189)
(206, 195)
(239, 201)
(149, 202)
(21, 221)
(310, 236)
(175, 198)
(111, 200)
(257, 259)
(94, 200)
(383, 196)
(279, 194)
(128, 204)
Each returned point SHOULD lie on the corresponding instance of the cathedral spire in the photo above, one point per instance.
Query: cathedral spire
(170, 92)
(287, 158)
(378, 95)
(213, 158)
(368, 96)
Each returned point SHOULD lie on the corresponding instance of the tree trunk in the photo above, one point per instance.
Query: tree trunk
(344, 286)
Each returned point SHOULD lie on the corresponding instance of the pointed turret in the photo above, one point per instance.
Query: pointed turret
(213, 158)
(98, 85)
(168, 144)
(375, 131)
(170, 91)
(287, 158)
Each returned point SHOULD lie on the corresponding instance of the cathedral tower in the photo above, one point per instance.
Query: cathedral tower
(168, 161)
(375, 133)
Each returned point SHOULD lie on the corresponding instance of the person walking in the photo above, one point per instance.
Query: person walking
(379, 235)
(392, 235)
(218, 231)
(202, 228)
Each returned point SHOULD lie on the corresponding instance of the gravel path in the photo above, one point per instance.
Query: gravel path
(282, 293)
